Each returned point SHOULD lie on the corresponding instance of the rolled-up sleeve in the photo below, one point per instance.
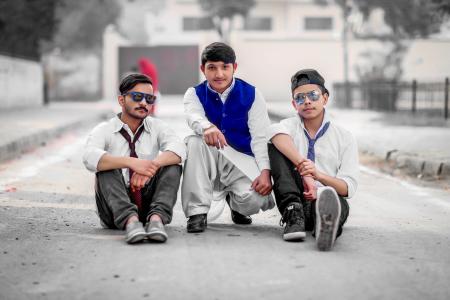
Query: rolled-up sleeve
(286, 126)
(195, 114)
(169, 141)
(349, 169)
(95, 147)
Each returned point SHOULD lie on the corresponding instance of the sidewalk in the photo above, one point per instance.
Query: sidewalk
(21, 130)
(420, 151)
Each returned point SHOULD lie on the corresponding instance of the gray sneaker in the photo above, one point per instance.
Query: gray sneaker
(156, 232)
(328, 213)
(135, 233)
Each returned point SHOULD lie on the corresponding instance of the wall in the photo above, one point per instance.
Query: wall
(21, 83)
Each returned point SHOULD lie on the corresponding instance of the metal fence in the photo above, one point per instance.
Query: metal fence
(430, 98)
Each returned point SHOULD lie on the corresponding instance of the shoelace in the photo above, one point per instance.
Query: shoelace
(289, 213)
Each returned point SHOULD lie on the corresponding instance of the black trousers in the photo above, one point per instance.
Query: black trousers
(114, 203)
(288, 188)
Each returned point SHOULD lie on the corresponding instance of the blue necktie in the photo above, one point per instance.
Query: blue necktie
(312, 142)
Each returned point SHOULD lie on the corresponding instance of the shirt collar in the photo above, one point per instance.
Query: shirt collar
(326, 119)
(118, 124)
(225, 93)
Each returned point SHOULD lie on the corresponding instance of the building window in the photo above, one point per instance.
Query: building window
(260, 24)
(197, 23)
(318, 23)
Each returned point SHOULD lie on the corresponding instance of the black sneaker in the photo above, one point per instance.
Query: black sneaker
(328, 213)
(295, 223)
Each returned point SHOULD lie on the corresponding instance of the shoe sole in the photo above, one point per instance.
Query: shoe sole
(136, 237)
(195, 230)
(157, 236)
(294, 236)
(328, 213)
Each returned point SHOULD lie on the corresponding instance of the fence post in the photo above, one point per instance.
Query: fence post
(414, 96)
(446, 98)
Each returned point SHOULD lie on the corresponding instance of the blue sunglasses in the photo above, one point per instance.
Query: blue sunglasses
(138, 97)
(313, 95)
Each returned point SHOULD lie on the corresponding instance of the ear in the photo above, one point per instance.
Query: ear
(325, 98)
(235, 66)
(294, 104)
(202, 68)
(121, 100)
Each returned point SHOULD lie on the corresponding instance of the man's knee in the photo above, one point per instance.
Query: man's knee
(194, 143)
(172, 172)
(108, 175)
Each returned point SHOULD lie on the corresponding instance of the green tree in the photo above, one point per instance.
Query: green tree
(25, 24)
(223, 13)
(82, 23)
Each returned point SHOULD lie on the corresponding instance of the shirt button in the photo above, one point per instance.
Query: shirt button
(224, 115)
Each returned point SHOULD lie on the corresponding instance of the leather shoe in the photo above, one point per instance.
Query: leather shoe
(237, 217)
(196, 223)
(240, 218)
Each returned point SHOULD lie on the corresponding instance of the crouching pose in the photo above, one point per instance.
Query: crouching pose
(137, 163)
(229, 119)
(314, 165)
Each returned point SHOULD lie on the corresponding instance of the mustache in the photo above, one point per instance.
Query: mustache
(138, 108)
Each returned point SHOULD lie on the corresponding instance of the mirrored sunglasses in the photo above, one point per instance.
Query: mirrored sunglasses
(313, 95)
(138, 97)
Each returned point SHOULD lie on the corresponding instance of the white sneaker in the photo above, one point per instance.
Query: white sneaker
(328, 214)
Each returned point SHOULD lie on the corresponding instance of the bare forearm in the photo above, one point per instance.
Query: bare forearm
(285, 145)
(109, 162)
(338, 184)
(167, 158)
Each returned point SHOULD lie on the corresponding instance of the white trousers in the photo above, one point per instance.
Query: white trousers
(208, 174)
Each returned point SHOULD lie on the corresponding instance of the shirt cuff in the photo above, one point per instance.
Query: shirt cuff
(351, 188)
(177, 148)
(265, 164)
(91, 159)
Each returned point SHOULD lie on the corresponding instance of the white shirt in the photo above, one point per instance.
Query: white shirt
(336, 152)
(258, 121)
(106, 138)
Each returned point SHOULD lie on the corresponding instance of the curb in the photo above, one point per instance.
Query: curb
(26, 143)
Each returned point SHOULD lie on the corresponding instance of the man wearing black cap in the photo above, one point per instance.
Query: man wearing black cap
(314, 165)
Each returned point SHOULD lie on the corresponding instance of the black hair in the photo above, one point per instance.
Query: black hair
(130, 81)
(218, 52)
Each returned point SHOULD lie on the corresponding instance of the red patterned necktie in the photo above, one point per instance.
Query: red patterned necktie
(136, 195)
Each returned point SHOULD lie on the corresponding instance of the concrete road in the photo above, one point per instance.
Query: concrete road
(396, 244)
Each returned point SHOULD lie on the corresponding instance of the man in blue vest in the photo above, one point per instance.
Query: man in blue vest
(227, 154)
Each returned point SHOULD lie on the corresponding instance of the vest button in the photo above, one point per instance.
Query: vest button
(224, 115)
(223, 130)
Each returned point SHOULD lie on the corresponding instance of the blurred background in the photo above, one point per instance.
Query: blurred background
(374, 54)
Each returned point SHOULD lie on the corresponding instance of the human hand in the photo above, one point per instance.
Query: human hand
(145, 167)
(309, 187)
(262, 184)
(138, 181)
(214, 137)
(307, 167)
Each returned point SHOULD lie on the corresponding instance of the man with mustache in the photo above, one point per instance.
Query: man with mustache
(137, 163)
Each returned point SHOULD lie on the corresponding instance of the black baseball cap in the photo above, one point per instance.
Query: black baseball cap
(308, 76)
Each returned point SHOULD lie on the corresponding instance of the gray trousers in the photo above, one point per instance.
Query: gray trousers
(114, 203)
(206, 171)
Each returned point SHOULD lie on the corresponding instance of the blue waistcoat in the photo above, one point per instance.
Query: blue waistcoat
(230, 117)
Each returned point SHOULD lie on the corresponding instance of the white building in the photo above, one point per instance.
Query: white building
(277, 38)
